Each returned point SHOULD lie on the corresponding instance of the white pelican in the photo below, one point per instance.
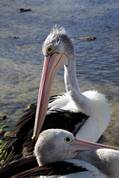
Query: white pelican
(58, 51)
(60, 155)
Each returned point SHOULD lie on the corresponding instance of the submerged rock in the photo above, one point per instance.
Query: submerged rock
(88, 38)
(22, 10)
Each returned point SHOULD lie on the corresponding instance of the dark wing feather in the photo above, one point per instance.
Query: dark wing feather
(20, 135)
(27, 167)
(22, 144)
(66, 120)
(18, 166)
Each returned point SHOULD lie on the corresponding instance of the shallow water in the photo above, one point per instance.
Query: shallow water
(21, 37)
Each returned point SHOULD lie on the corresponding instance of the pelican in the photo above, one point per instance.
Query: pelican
(99, 161)
(58, 51)
(86, 114)
(61, 155)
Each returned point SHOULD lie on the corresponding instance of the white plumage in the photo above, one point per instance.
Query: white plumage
(95, 105)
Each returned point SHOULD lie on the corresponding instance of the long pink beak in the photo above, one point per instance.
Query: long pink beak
(50, 67)
(79, 145)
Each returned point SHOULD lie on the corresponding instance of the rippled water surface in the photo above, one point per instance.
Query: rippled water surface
(21, 37)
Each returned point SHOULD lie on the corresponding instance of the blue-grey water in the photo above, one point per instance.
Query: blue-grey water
(21, 37)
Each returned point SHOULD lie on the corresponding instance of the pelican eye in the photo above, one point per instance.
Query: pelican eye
(50, 49)
(68, 139)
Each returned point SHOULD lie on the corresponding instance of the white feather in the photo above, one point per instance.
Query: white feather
(95, 105)
(99, 111)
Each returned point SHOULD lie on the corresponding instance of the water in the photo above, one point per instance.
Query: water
(21, 37)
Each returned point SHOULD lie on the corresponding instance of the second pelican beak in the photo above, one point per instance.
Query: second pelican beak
(81, 145)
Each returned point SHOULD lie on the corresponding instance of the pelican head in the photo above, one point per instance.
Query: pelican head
(57, 145)
(57, 42)
(54, 145)
(58, 51)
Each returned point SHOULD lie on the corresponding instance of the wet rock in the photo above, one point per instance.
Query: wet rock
(22, 10)
(31, 106)
(2, 132)
(8, 134)
(14, 37)
(3, 116)
(88, 38)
